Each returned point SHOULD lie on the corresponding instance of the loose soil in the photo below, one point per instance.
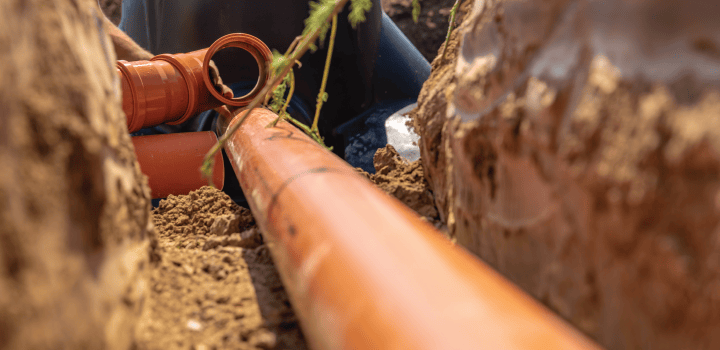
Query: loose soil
(212, 282)
(405, 181)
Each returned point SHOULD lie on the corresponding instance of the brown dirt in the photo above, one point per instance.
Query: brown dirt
(212, 282)
(428, 34)
(74, 207)
(581, 170)
(405, 181)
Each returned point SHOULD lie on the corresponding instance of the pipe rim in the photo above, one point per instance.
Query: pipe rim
(252, 45)
(138, 117)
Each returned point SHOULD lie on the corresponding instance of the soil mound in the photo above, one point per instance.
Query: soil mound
(212, 282)
(574, 146)
(403, 180)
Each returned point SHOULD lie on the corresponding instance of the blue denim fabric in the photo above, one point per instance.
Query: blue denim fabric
(400, 71)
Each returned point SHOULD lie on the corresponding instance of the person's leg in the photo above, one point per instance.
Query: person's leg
(133, 22)
(400, 71)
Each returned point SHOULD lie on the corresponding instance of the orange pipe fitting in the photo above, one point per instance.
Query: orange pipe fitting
(172, 88)
(364, 271)
(172, 161)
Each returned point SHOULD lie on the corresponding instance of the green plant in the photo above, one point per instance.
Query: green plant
(415, 10)
(451, 26)
(316, 26)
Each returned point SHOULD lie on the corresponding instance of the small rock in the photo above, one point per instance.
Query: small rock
(194, 325)
(225, 225)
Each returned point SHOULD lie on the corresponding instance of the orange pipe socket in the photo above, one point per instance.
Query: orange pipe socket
(172, 88)
(172, 161)
(364, 271)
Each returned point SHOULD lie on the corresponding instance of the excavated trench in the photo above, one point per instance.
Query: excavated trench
(576, 155)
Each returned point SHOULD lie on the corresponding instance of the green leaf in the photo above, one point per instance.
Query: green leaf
(320, 13)
(416, 10)
(279, 62)
(358, 8)
(278, 95)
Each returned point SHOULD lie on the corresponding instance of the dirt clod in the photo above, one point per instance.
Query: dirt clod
(402, 180)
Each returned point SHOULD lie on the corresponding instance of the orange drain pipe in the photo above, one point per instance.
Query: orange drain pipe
(364, 271)
(171, 161)
(172, 88)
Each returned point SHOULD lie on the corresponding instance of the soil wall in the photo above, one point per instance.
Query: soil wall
(74, 208)
(575, 146)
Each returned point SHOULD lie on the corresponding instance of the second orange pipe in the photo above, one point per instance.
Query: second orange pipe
(172, 161)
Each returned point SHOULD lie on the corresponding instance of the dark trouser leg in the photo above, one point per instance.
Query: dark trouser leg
(400, 71)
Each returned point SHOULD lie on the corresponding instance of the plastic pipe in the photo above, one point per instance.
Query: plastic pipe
(172, 161)
(172, 88)
(364, 271)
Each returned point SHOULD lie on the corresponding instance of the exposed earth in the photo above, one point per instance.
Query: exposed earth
(212, 283)
(585, 171)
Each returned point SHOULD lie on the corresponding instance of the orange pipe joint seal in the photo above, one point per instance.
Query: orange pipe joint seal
(172, 161)
(169, 88)
(363, 270)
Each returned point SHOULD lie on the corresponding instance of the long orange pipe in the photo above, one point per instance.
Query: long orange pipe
(172, 88)
(365, 272)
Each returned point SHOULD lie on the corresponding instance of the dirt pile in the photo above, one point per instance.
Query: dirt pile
(575, 147)
(403, 180)
(212, 282)
(74, 207)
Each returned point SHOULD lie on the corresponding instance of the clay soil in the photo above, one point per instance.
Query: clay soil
(212, 282)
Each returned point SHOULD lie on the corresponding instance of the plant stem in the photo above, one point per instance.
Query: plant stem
(282, 112)
(209, 161)
(451, 26)
(321, 95)
(290, 93)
